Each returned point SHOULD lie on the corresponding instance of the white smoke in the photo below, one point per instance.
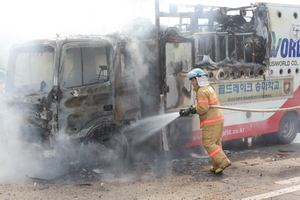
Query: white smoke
(17, 158)
(32, 19)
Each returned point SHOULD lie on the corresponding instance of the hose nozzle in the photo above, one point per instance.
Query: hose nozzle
(187, 112)
(184, 112)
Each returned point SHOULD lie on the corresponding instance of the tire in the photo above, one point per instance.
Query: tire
(288, 128)
(106, 149)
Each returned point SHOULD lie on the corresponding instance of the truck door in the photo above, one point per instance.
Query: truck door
(126, 86)
(85, 83)
(178, 60)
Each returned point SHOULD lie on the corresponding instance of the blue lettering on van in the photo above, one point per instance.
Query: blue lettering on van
(285, 47)
(248, 87)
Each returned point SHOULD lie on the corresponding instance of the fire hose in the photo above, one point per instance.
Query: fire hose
(257, 110)
(192, 110)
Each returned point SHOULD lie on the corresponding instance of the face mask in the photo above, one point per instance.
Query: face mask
(202, 81)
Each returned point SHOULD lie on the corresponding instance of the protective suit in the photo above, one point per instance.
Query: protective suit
(211, 122)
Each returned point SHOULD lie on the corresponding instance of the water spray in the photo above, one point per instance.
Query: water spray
(145, 128)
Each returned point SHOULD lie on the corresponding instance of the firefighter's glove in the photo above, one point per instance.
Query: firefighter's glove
(193, 110)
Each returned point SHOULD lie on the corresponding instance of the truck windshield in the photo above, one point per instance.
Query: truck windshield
(33, 69)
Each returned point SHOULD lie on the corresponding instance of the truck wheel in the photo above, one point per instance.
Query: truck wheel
(106, 149)
(287, 130)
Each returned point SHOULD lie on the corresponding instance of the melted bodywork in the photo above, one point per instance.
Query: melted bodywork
(227, 43)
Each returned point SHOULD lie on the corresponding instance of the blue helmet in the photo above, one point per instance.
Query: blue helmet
(197, 72)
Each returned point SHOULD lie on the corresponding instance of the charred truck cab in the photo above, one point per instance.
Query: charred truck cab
(79, 89)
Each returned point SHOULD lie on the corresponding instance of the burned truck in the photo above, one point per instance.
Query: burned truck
(78, 94)
(74, 95)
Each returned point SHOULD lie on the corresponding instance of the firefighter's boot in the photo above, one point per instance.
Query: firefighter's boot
(220, 169)
(213, 168)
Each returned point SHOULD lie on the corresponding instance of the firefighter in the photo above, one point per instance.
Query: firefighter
(211, 119)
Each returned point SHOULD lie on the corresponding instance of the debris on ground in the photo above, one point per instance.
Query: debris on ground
(84, 184)
(283, 154)
(286, 151)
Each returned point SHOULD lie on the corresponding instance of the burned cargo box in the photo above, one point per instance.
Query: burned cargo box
(233, 44)
(230, 69)
(227, 43)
